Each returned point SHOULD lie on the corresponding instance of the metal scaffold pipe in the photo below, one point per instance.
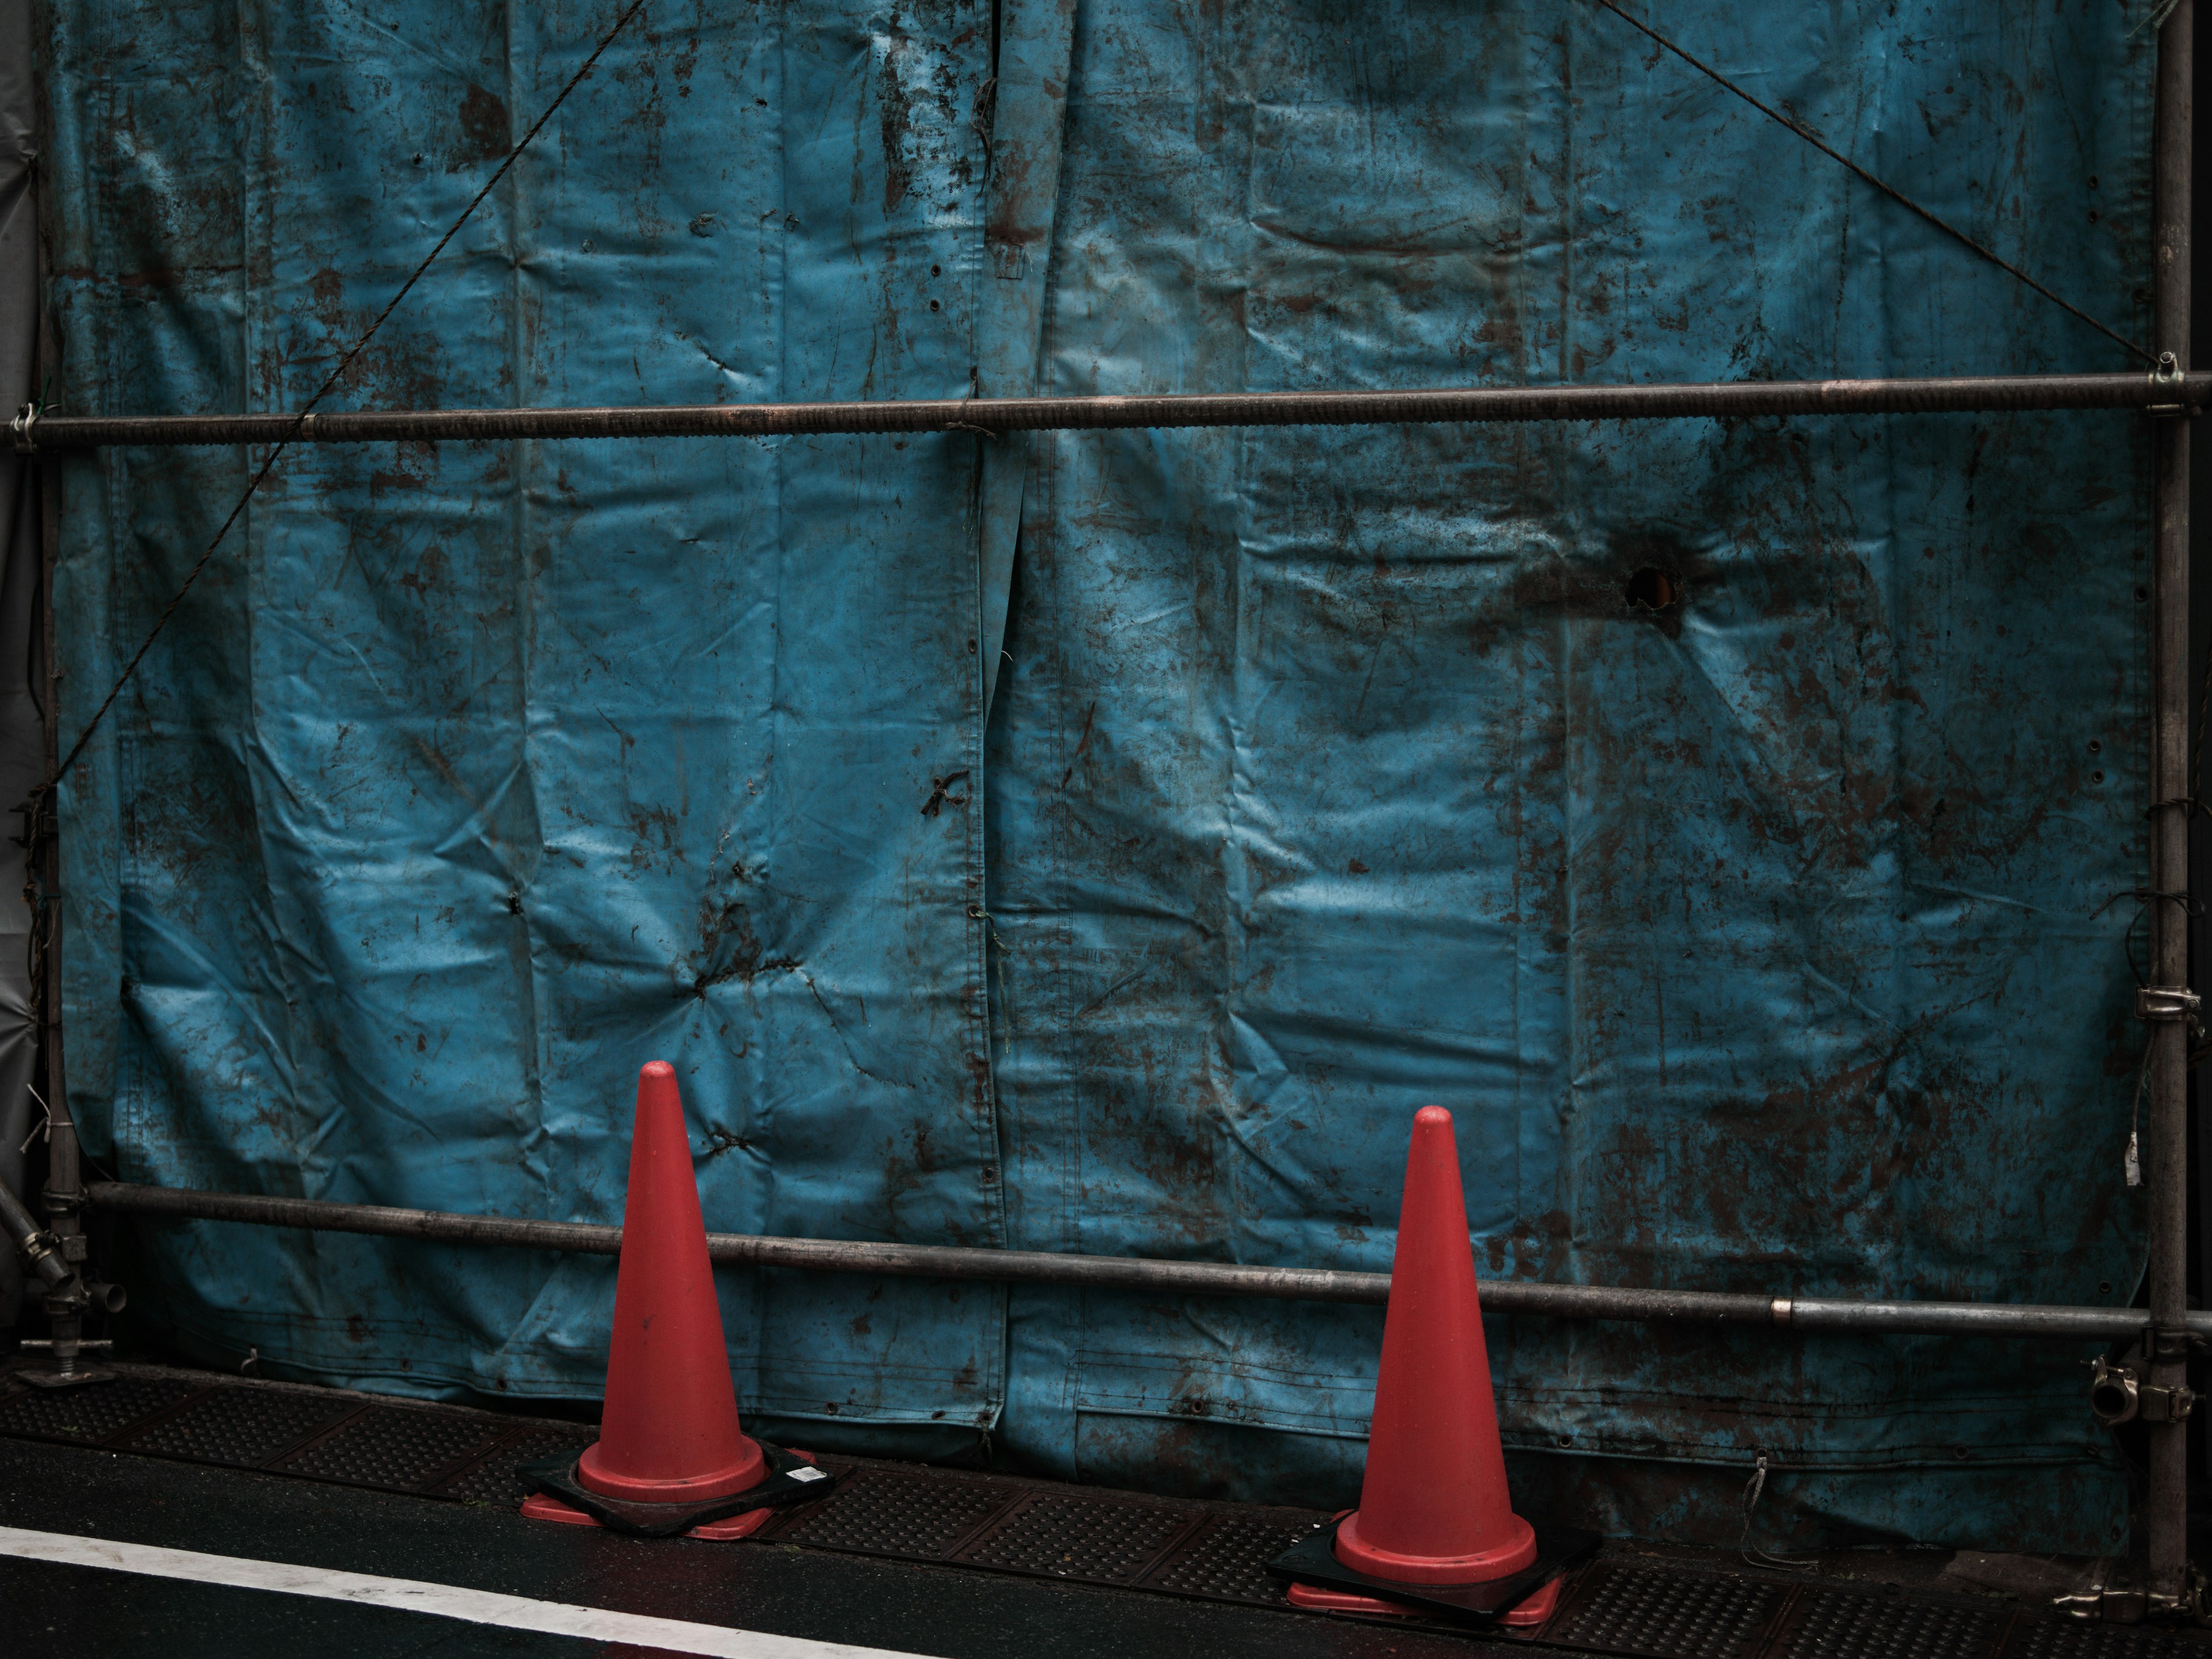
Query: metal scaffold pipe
(2168, 1006)
(1720, 400)
(1499, 1296)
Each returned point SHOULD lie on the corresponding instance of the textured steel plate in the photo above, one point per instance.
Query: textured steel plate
(1833, 1626)
(1670, 1614)
(91, 1413)
(396, 1448)
(2070, 1639)
(491, 1478)
(1008, 1526)
(242, 1427)
(1079, 1537)
(1226, 1560)
(874, 1512)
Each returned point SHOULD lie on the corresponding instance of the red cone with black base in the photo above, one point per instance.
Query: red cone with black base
(669, 1433)
(1433, 1510)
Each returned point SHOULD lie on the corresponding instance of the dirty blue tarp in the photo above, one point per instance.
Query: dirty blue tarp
(1104, 841)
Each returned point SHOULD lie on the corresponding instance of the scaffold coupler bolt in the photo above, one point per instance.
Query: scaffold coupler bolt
(2169, 389)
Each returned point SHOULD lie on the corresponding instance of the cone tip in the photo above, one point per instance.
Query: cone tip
(1432, 1117)
(656, 1086)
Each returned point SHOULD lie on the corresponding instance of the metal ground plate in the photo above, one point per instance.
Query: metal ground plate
(1209, 1551)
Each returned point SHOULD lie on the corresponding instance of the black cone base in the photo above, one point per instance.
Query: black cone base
(792, 1480)
(1313, 1559)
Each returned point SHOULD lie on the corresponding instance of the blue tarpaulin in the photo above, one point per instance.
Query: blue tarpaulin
(1104, 842)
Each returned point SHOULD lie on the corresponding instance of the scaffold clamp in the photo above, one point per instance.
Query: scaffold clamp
(2168, 386)
(2122, 1394)
(2164, 1002)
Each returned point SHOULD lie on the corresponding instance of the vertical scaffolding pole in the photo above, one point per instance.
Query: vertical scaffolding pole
(2165, 1515)
(63, 1199)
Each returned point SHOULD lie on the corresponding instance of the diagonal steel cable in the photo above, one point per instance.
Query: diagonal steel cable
(329, 380)
(278, 449)
(2154, 18)
(1886, 188)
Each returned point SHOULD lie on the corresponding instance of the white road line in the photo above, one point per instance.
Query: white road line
(441, 1600)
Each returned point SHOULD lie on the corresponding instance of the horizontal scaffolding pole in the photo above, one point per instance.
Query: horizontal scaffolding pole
(1499, 1296)
(1986, 394)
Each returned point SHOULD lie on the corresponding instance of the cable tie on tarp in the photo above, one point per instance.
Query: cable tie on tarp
(44, 1128)
(940, 795)
(2154, 18)
(2190, 905)
(2161, 1003)
(1753, 1490)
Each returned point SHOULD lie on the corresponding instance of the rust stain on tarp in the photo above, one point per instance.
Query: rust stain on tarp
(1704, 811)
(482, 773)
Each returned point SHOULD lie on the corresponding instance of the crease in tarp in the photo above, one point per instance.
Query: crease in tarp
(1027, 101)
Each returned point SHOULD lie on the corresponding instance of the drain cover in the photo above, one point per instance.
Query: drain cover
(2071, 1640)
(1227, 1559)
(89, 1415)
(240, 1427)
(1078, 1536)
(397, 1447)
(875, 1513)
(1671, 1615)
(1833, 1626)
(492, 1480)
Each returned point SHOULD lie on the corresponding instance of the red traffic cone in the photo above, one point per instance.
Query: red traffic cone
(1433, 1510)
(669, 1432)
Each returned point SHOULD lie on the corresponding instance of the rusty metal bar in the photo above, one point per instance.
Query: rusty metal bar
(1499, 1296)
(2165, 1499)
(1733, 399)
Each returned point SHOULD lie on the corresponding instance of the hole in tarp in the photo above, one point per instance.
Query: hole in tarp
(1654, 589)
